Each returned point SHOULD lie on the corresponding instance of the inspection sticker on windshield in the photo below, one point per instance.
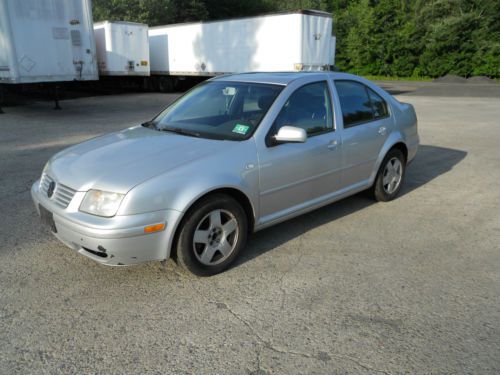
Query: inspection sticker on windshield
(241, 129)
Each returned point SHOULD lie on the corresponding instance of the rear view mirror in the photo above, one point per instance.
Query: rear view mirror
(288, 134)
(229, 91)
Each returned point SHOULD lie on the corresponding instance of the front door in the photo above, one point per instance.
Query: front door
(296, 175)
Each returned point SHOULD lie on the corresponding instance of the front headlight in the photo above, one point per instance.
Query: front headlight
(101, 203)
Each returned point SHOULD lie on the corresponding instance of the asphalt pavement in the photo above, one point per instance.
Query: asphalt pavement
(410, 286)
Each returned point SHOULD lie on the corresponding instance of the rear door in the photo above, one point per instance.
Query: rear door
(366, 127)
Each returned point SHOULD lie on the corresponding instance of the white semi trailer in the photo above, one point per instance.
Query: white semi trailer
(300, 40)
(122, 48)
(46, 41)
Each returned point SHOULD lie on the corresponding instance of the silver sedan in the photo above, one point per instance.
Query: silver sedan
(234, 155)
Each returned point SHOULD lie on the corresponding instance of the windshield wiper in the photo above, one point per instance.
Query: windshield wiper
(189, 133)
(149, 124)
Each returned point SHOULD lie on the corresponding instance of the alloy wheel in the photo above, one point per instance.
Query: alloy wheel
(215, 237)
(393, 174)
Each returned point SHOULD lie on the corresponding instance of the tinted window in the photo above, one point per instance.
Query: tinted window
(354, 102)
(221, 110)
(378, 104)
(309, 108)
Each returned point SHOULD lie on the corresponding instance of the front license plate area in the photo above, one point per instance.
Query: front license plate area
(47, 218)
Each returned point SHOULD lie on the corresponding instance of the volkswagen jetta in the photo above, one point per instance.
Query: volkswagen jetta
(233, 155)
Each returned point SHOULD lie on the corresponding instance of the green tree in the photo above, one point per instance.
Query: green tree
(220, 9)
(460, 37)
(151, 12)
(379, 37)
(186, 11)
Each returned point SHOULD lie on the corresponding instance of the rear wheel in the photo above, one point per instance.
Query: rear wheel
(212, 235)
(390, 176)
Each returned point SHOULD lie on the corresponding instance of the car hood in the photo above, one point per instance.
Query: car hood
(119, 161)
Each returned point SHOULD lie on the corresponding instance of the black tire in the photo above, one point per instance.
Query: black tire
(379, 190)
(166, 84)
(189, 254)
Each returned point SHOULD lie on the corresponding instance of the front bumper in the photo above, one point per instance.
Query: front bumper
(115, 241)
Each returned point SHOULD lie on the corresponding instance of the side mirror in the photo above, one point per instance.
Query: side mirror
(288, 134)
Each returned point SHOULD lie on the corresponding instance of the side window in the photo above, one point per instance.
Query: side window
(309, 108)
(378, 104)
(354, 102)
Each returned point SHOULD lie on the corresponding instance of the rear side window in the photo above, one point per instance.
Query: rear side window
(378, 104)
(359, 103)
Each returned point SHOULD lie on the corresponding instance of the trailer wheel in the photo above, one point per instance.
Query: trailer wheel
(165, 84)
(146, 84)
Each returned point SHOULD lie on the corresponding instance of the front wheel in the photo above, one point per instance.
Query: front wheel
(390, 176)
(212, 235)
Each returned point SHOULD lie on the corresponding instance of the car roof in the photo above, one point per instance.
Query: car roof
(277, 78)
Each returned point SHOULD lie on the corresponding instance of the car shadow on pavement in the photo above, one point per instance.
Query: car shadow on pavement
(430, 163)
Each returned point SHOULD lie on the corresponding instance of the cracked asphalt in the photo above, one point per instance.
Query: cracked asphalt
(410, 286)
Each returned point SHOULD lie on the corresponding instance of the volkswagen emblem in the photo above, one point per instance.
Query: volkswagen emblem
(50, 190)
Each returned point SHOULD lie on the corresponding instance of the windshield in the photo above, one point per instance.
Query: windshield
(219, 110)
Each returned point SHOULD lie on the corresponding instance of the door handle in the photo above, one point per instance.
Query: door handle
(382, 130)
(332, 145)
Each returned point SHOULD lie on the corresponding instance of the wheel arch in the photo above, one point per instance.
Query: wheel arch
(400, 146)
(238, 195)
(396, 141)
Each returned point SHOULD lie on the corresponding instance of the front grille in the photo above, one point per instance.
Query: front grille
(62, 193)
